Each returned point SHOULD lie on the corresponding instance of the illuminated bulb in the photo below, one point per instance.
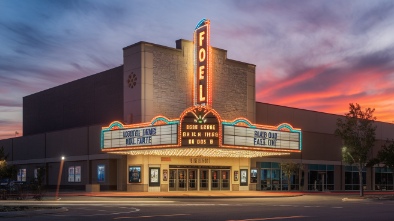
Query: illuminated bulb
(201, 152)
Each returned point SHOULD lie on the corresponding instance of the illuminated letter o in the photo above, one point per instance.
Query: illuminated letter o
(201, 55)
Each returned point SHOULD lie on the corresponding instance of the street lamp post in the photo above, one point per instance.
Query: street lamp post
(59, 178)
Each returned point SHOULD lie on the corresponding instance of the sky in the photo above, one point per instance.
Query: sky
(315, 55)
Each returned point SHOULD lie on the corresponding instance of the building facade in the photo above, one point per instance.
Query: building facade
(180, 119)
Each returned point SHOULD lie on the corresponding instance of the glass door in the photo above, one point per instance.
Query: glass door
(266, 179)
(172, 179)
(215, 179)
(195, 179)
(225, 179)
(192, 182)
(204, 179)
(276, 180)
(323, 176)
(182, 180)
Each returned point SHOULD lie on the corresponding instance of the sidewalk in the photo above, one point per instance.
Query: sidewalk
(180, 194)
(216, 194)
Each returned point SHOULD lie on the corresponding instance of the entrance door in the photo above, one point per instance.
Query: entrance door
(192, 182)
(173, 180)
(201, 179)
(225, 179)
(182, 180)
(322, 181)
(215, 178)
(204, 179)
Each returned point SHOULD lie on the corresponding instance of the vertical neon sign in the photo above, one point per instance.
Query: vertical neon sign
(202, 73)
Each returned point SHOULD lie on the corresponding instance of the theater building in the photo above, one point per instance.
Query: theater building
(180, 119)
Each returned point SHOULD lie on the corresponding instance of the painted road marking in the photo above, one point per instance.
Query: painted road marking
(109, 213)
(83, 202)
(270, 218)
(153, 216)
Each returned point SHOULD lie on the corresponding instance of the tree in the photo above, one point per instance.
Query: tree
(289, 169)
(386, 156)
(6, 171)
(3, 163)
(357, 131)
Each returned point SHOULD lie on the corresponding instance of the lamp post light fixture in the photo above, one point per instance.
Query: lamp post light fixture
(59, 177)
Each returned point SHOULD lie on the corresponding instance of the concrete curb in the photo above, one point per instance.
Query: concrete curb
(201, 197)
(32, 212)
(177, 194)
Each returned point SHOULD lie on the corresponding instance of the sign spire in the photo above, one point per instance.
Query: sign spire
(202, 72)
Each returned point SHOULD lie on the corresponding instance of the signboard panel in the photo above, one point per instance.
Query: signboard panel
(255, 137)
(142, 136)
(200, 128)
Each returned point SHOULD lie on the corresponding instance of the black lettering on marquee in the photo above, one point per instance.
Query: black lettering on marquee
(200, 132)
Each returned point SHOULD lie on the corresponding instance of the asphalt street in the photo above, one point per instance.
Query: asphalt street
(308, 207)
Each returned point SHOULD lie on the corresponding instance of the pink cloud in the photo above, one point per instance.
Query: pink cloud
(368, 87)
(8, 130)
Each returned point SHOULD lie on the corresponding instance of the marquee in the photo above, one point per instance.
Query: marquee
(201, 127)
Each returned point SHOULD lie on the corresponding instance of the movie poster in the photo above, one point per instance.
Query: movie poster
(134, 174)
(165, 175)
(154, 176)
(244, 177)
(236, 175)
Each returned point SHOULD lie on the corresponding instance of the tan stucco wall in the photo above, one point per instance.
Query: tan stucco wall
(165, 82)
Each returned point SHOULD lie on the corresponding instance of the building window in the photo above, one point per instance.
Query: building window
(74, 174)
(36, 173)
(320, 177)
(39, 174)
(272, 177)
(21, 176)
(101, 173)
(78, 174)
(134, 174)
(383, 178)
(71, 176)
(352, 179)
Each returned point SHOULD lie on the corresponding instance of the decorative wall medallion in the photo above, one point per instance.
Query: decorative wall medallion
(132, 80)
